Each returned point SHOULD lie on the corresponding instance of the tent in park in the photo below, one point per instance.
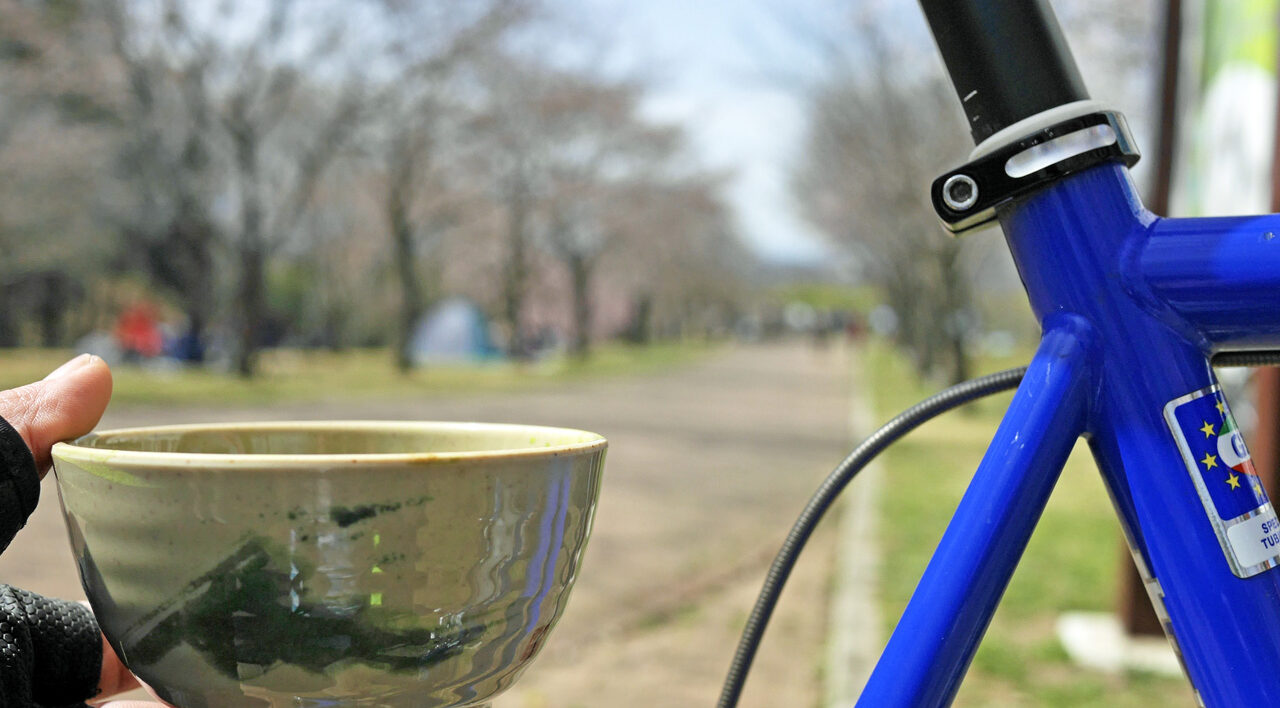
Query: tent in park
(454, 330)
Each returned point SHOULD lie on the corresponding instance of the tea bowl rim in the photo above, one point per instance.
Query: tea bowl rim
(78, 451)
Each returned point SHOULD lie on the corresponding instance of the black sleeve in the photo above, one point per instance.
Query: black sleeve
(50, 651)
(19, 483)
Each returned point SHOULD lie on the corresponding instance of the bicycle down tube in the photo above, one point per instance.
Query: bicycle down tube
(1132, 306)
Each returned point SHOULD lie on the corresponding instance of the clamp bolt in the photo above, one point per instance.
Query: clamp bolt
(960, 192)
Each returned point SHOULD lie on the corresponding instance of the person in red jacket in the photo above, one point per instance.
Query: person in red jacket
(138, 332)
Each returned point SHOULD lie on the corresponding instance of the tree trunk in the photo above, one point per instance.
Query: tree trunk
(580, 275)
(904, 296)
(8, 323)
(195, 293)
(516, 271)
(411, 305)
(956, 304)
(53, 304)
(251, 300)
(197, 323)
(335, 325)
(898, 297)
(252, 303)
(641, 329)
(960, 368)
(179, 260)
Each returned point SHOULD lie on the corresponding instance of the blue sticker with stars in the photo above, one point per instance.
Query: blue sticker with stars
(1226, 481)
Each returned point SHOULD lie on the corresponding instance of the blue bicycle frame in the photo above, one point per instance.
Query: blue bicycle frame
(1132, 307)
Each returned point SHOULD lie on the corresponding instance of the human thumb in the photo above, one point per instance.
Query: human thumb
(65, 405)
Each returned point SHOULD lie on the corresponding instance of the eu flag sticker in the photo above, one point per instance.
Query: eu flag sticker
(1226, 481)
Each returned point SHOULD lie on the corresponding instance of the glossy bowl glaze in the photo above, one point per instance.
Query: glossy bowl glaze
(322, 564)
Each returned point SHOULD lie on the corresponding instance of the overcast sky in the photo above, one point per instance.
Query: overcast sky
(732, 73)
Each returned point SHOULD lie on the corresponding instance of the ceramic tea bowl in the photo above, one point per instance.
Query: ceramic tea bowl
(329, 564)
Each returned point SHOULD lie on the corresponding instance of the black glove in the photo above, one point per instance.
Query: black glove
(19, 483)
(50, 650)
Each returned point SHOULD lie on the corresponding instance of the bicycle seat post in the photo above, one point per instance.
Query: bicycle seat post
(1008, 60)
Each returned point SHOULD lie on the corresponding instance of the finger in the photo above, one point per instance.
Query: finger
(137, 704)
(65, 405)
(115, 677)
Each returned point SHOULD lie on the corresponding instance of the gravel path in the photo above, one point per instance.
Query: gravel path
(708, 465)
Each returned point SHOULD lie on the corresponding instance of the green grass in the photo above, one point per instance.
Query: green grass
(1070, 563)
(826, 296)
(298, 375)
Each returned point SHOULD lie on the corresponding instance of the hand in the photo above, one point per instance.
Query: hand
(116, 679)
(65, 405)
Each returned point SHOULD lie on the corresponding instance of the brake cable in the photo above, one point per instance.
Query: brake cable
(825, 496)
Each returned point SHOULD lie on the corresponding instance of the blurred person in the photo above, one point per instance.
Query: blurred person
(138, 332)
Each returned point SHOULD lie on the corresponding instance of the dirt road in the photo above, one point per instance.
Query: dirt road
(708, 465)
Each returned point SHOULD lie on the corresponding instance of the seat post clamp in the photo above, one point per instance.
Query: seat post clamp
(968, 197)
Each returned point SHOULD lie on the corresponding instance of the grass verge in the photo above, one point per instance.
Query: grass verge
(306, 375)
(1070, 563)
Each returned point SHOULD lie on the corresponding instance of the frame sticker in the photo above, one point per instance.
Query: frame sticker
(1224, 476)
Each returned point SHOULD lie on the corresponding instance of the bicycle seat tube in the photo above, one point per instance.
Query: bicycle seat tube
(1132, 306)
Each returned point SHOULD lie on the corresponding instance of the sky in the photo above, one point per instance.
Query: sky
(732, 72)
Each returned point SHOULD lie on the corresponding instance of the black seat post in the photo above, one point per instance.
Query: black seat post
(1007, 59)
